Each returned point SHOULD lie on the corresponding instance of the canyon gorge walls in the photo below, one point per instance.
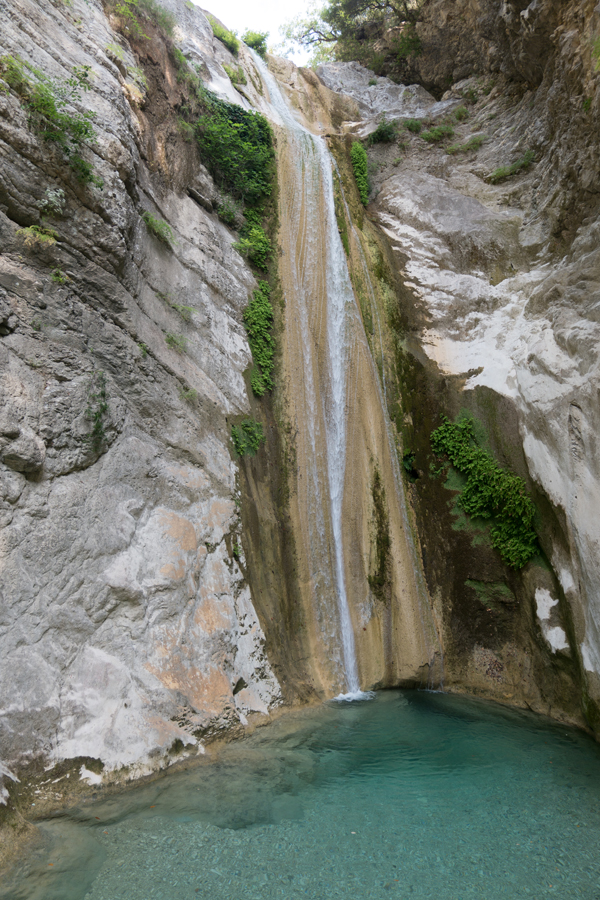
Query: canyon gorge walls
(158, 589)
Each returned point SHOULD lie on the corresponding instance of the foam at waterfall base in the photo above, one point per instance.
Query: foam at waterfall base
(353, 696)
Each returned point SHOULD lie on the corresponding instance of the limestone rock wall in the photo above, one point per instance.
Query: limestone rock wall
(498, 286)
(126, 625)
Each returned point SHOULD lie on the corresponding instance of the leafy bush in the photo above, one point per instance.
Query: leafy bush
(358, 157)
(385, 132)
(133, 12)
(247, 437)
(372, 82)
(158, 228)
(473, 143)
(438, 133)
(257, 40)
(236, 74)
(258, 320)
(226, 37)
(409, 43)
(96, 409)
(461, 113)
(237, 147)
(596, 52)
(489, 492)
(53, 202)
(254, 242)
(414, 125)
(37, 236)
(507, 171)
(177, 342)
(59, 277)
(190, 395)
(228, 211)
(47, 100)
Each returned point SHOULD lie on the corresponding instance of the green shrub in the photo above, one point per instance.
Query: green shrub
(507, 171)
(489, 492)
(237, 147)
(385, 132)
(373, 82)
(437, 133)
(47, 100)
(254, 242)
(236, 74)
(228, 211)
(59, 277)
(461, 113)
(257, 40)
(587, 104)
(186, 129)
(360, 165)
(473, 143)
(258, 320)
(409, 43)
(190, 395)
(133, 12)
(96, 409)
(226, 37)
(186, 312)
(247, 437)
(37, 236)
(414, 125)
(158, 228)
(177, 342)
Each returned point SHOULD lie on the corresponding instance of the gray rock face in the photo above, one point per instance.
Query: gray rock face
(125, 620)
(381, 96)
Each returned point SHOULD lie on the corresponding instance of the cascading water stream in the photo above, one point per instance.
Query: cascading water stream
(337, 398)
(314, 168)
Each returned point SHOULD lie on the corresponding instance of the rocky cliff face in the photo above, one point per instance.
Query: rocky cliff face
(498, 289)
(153, 588)
(126, 624)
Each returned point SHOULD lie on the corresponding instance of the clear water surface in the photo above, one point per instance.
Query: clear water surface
(413, 795)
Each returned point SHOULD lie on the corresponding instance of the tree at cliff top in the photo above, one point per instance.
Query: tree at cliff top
(352, 30)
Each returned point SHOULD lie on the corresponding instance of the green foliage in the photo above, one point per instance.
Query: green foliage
(351, 29)
(228, 211)
(96, 409)
(37, 236)
(226, 37)
(587, 104)
(48, 100)
(474, 143)
(258, 320)
(59, 277)
(186, 312)
(414, 125)
(158, 228)
(358, 157)
(437, 133)
(237, 147)
(489, 492)
(254, 242)
(409, 43)
(470, 94)
(53, 202)
(143, 350)
(186, 129)
(385, 133)
(372, 82)
(177, 342)
(507, 171)
(247, 437)
(190, 395)
(257, 40)
(133, 13)
(236, 74)
(461, 113)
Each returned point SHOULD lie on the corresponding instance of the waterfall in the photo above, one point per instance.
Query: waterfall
(324, 333)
